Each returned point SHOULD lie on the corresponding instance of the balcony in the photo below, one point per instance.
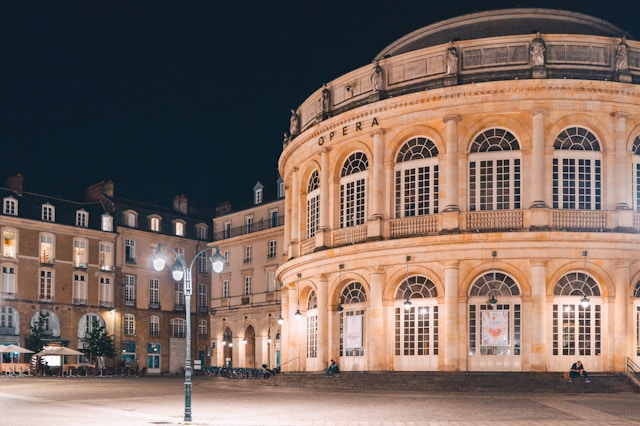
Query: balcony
(79, 301)
(256, 226)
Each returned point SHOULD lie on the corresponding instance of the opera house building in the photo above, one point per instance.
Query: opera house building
(468, 201)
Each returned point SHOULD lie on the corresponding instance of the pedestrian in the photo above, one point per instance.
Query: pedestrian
(333, 368)
(577, 370)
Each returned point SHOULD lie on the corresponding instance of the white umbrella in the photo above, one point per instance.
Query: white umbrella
(14, 349)
(58, 350)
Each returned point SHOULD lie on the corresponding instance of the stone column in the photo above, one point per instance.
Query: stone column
(622, 180)
(537, 159)
(537, 326)
(450, 324)
(378, 189)
(286, 338)
(620, 331)
(451, 174)
(375, 333)
(295, 213)
(324, 310)
(324, 230)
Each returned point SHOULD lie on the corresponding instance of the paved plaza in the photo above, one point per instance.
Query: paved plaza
(38, 401)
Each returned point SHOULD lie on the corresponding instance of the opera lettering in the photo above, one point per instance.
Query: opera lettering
(345, 130)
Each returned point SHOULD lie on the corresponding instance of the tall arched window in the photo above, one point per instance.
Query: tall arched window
(577, 170)
(416, 186)
(577, 320)
(313, 204)
(495, 320)
(636, 174)
(178, 327)
(416, 317)
(353, 190)
(494, 171)
(352, 303)
(312, 325)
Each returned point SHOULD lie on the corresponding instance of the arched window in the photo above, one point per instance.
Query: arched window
(129, 324)
(47, 322)
(312, 325)
(86, 325)
(577, 170)
(178, 327)
(636, 174)
(313, 204)
(353, 190)
(416, 317)
(494, 171)
(154, 325)
(577, 316)
(352, 322)
(495, 320)
(9, 287)
(416, 186)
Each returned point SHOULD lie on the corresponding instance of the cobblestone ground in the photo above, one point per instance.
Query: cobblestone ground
(37, 401)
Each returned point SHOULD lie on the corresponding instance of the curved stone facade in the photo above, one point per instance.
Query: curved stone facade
(468, 206)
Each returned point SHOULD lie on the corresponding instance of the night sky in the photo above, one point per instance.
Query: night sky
(188, 97)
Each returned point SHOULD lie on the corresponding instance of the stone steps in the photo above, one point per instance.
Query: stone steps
(458, 382)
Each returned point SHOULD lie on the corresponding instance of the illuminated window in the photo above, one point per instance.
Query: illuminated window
(9, 243)
(47, 252)
(80, 253)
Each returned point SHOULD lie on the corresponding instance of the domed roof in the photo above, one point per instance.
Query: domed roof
(503, 22)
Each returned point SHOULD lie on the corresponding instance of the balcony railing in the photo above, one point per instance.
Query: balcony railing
(579, 220)
(412, 226)
(494, 220)
(351, 235)
(257, 226)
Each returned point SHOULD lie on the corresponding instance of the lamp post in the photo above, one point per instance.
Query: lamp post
(181, 270)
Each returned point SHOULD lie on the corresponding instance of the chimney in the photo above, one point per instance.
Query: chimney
(15, 183)
(180, 203)
(97, 191)
(223, 208)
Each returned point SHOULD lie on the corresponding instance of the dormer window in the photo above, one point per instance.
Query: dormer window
(48, 213)
(10, 206)
(82, 218)
(130, 219)
(154, 223)
(107, 222)
(280, 184)
(201, 231)
(258, 193)
(179, 225)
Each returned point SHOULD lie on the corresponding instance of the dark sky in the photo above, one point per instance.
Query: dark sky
(188, 97)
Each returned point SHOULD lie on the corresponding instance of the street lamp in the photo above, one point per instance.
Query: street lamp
(181, 270)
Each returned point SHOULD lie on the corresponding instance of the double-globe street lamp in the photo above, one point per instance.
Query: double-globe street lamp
(181, 270)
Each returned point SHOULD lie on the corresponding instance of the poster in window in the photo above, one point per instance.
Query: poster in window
(353, 332)
(495, 328)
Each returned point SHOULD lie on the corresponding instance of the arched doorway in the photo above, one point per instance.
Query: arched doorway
(227, 347)
(249, 347)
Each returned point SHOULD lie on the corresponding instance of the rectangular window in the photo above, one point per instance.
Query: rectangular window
(247, 285)
(313, 215)
(46, 285)
(202, 262)
(105, 291)
(247, 254)
(130, 251)
(154, 224)
(227, 230)
(258, 196)
(272, 249)
(107, 222)
(271, 281)
(154, 293)
(106, 256)
(248, 221)
(202, 232)
(226, 257)
(202, 329)
(225, 289)
(202, 297)
(82, 218)
(180, 229)
(10, 207)
(47, 254)
(48, 213)
(79, 289)
(8, 282)
(312, 336)
(80, 253)
(274, 218)
(130, 220)
(129, 290)
(9, 243)
(179, 295)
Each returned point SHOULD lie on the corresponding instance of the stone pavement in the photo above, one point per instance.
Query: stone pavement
(39, 401)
